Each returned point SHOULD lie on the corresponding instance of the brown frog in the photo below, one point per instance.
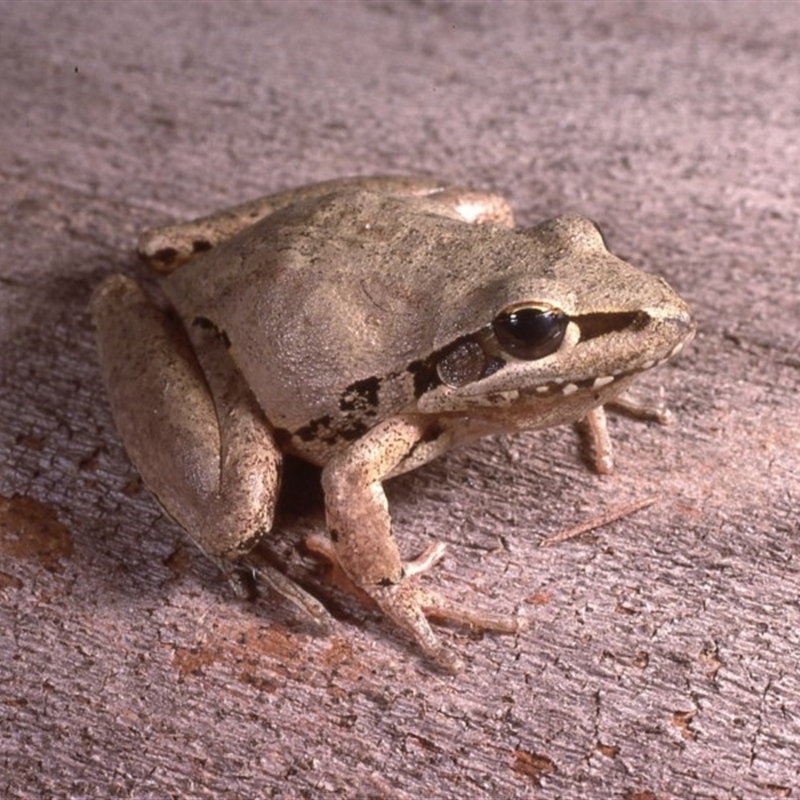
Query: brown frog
(366, 325)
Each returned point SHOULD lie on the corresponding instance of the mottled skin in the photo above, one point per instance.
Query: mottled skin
(367, 326)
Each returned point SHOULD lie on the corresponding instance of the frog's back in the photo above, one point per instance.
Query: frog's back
(326, 294)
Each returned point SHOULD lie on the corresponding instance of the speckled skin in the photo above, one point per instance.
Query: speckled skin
(355, 324)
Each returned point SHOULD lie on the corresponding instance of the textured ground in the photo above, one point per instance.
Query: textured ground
(662, 658)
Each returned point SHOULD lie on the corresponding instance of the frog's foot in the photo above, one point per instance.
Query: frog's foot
(249, 576)
(322, 546)
(428, 558)
(632, 406)
(594, 426)
(409, 605)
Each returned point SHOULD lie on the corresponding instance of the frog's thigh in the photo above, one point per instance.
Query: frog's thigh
(168, 422)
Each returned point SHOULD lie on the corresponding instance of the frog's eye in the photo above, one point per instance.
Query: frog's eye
(530, 332)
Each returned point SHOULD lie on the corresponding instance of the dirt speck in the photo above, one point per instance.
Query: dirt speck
(533, 765)
(30, 529)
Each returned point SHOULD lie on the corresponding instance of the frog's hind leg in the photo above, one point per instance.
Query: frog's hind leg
(192, 429)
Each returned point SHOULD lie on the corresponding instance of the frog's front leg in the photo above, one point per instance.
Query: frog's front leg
(364, 547)
(594, 426)
(190, 425)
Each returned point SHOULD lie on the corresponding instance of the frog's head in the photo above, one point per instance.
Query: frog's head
(561, 315)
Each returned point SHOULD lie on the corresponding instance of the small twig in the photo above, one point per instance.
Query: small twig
(598, 522)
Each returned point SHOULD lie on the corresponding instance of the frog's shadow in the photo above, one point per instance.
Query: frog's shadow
(301, 492)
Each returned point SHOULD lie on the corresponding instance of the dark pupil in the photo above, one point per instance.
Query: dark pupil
(530, 333)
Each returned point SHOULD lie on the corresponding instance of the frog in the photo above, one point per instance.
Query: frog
(366, 325)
